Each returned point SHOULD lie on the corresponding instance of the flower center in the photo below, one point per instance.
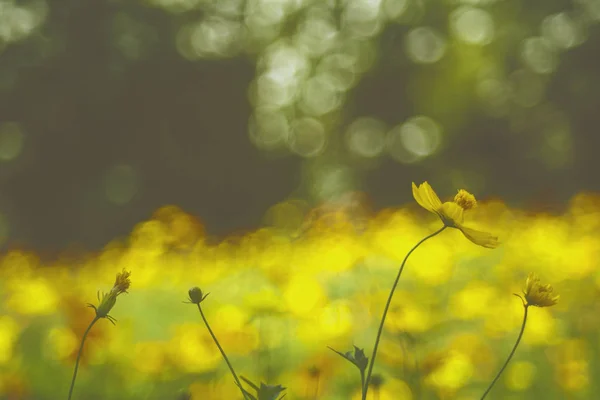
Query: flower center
(465, 200)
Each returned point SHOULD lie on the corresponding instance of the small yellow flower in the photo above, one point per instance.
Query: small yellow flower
(451, 212)
(108, 300)
(539, 295)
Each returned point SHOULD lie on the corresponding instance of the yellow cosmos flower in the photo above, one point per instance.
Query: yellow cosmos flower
(451, 212)
(108, 300)
(537, 294)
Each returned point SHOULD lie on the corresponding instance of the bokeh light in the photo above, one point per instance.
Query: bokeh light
(472, 25)
(425, 45)
(413, 140)
(362, 18)
(18, 21)
(268, 129)
(365, 137)
(121, 183)
(539, 55)
(341, 70)
(561, 30)
(216, 37)
(307, 137)
(317, 33)
(395, 8)
(12, 140)
(320, 96)
(331, 182)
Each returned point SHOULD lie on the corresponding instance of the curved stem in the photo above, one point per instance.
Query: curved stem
(237, 381)
(365, 387)
(525, 306)
(79, 355)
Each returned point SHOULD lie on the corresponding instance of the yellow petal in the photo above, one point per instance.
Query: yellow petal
(430, 195)
(426, 197)
(531, 279)
(452, 214)
(419, 199)
(480, 238)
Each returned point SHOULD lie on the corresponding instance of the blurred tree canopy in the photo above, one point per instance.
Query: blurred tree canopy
(111, 109)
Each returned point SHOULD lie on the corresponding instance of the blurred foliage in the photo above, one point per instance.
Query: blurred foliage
(112, 109)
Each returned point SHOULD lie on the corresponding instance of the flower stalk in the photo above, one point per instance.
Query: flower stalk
(366, 381)
(512, 352)
(537, 295)
(196, 297)
(451, 213)
(106, 302)
(79, 355)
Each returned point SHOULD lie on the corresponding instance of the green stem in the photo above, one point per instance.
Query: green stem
(526, 306)
(362, 379)
(79, 355)
(365, 387)
(237, 381)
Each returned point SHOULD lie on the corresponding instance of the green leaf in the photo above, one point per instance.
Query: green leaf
(270, 392)
(358, 358)
(264, 392)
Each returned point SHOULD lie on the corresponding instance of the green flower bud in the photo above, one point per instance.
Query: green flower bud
(107, 302)
(195, 295)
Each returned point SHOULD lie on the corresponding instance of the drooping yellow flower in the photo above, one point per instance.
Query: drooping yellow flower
(451, 212)
(539, 295)
(108, 300)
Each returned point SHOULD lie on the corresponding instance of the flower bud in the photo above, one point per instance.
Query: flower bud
(106, 304)
(195, 295)
(108, 300)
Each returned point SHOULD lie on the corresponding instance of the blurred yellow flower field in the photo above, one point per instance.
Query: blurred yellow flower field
(281, 294)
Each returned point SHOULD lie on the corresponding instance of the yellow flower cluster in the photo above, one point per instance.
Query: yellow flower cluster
(329, 281)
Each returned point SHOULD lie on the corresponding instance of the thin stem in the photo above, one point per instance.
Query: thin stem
(96, 318)
(365, 387)
(525, 306)
(362, 380)
(237, 381)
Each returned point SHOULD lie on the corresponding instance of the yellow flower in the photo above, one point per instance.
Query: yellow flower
(451, 212)
(537, 294)
(108, 300)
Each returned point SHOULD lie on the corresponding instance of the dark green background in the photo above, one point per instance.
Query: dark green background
(183, 126)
